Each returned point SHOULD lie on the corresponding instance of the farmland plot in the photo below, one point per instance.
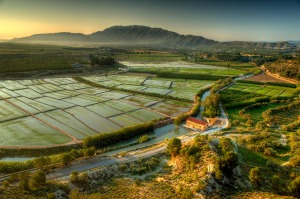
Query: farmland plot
(69, 120)
(59, 81)
(159, 83)
(169, 109)
(28, 93)
(121, 106)
(79, 101)
(74, 86)
(131, 87)
(141, 101)
(9, 112)
(92, 120)
(104, 110)
(145, 115)
(110, 83)
(61, 94)
(4, 95)
(55, 103)
(41, 107)
(126, 79)
(125, 120)
(183, 95)
(42, 88)
(157, 90)
(268, 90)
(12, 85)
(113, 95)
(23, 105)
(66, 128)
(92, 91)
(30, 132)
(191, 84)
(93, 98)
(26, 82)
(9, 92)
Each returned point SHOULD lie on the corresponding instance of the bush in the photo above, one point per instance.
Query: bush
(174, 146)
(37, 180)
(269, 152)
(294, 186)
(144, 138)
(255, 176)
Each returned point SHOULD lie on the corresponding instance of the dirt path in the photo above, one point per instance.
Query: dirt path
(282, 78)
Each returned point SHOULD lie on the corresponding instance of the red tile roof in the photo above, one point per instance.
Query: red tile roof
(197, 121)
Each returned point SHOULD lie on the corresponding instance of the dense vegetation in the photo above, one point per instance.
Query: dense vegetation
(286, 67)
(102, 140)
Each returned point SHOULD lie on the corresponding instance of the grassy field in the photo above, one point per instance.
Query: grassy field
(269, 90)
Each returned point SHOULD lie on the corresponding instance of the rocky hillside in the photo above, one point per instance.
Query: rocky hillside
(125, 35)
(285, 68)
(144, 36)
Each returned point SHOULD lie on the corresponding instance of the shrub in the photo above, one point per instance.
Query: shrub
(174, 146)
(255, 176)
(144, 138)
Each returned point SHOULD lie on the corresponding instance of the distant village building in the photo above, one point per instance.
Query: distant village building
(196, 123)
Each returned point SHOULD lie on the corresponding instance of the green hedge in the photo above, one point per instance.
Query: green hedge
(269, 83)
(106, 139)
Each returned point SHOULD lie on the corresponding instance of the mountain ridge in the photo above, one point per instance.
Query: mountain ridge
(142, 35)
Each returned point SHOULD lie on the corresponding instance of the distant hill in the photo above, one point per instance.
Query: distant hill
(142, 36)
(124, 35)
(248, 44)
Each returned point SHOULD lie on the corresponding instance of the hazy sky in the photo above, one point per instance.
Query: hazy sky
(261, 20)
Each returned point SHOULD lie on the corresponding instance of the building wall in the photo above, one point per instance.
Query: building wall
(196, 126)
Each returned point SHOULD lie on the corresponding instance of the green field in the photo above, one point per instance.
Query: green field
(77, 109)
(30, 132)
(267, 90)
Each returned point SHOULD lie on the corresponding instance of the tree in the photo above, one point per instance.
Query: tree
(144, 138)
(211, 105)
(37, 180)
(66, 158)
(269, 152)
(276, 183)
(294, 186)
(74, 177)
(89, 152)
(255, 176)
(40, 162)
(84, 180)
(5, 184)
(174, 146)
(228, 162)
